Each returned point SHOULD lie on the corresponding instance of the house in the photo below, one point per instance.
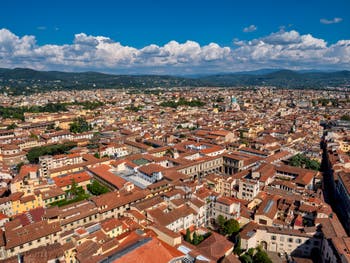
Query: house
(52, 195)
(176, 220)
(82, 179)
(150, 172)
(215, 247)
(23, 238)
(113, 227)
(248, 187)
(102, 174)
(267, 211)
(228, 207)
(290, 241)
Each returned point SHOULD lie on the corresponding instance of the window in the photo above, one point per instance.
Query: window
(262, 222)
(298, 240)
(290, 240)
(273, 237)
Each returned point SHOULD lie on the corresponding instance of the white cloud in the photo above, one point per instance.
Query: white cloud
(250, 28)
(335, 20)
(286, 50)
(282, 49)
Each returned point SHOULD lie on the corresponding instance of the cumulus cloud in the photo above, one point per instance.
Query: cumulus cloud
(250, 28)
(286, 50)
(335, 20)
(282, 49)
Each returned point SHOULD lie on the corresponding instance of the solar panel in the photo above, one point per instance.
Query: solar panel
(93, 228)
(250, 233)
(268, 206)
(126, 250)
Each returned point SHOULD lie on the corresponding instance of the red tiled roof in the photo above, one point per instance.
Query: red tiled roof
(110, 224)
(154, 251)
(151, 168)
(33, 215)
(25, 170)
(30, 232)
(103, 172)
(226, 200)
(215, 246)
(67, 180)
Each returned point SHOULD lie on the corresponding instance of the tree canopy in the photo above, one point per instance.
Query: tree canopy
(231, 227)
(34, 153)
(345, 118)
(257, 255)
(261, 256)
(301, 160)
(227, 227)
(96, 188)
(79, 125)
(182, 102)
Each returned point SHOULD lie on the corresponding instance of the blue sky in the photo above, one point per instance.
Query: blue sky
(181, 36)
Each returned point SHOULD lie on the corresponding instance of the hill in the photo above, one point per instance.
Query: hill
(283, 79)
(24, 81)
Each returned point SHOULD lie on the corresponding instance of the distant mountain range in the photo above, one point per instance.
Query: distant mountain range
(25, 81)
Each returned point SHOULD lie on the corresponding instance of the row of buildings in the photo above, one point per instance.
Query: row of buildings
(173, 170)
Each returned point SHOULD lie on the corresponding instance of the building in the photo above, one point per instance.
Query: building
(248, 188)
(228, 207)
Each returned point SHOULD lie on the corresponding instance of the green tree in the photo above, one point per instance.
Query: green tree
(251, 251)
(300, 160)
(221, 221)
(261, 256)
(188, 235)
(73, 191)
(345, 118)
(96, 188)
(79, 125)
(231, 227)
(34, 153)
(221, 224)
(90, 105)
(133, 108)
(195, 240)
(51, 126)
(11, 126)
(237, 249)
(245, 258)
